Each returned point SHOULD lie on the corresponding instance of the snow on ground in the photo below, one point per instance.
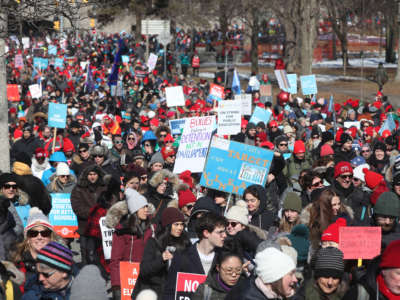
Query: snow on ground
(371, 62)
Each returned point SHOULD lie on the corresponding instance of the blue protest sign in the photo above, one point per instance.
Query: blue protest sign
(57, 115)
(52, 50)
(177, 126)
(260, 115)
(40, 63)
(23, 213)
(62, 216)
(59, 62)
(308, 85)
(125, 58)
(292, 78)
(233, 166)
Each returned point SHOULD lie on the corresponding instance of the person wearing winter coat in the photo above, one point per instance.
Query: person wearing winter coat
(130, 236)
(10, 278)
(381, 280)
(101, 158)
(222, 278)
(81, 160)
(261, 209)
(28, 143)
(380, 77)
(379, 161)
(275, 278)
(62, 181)
(40, 163)
(290, 212)
(344, 150)
(159, 251)
(299, 161)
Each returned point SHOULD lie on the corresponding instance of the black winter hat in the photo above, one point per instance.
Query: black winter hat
(24, 158)
(380, 146)
(281, 138)
(251, 125)
(345, 137)
(7, 177)
(326, 137)
(329, 263)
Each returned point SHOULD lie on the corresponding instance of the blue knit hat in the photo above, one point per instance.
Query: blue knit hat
(56, 256)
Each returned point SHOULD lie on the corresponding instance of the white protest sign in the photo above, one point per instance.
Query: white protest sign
(106, 237)
(35, 90)
(349, 124)
(229, 117)
(283, 81)
(245, 102)
(174, 95)
(83, 64)
(193, 147)
(19, 62)
(26, 42)
(152, 61)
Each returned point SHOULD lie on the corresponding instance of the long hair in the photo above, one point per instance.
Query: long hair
(136, 226)
(285, 226)
(164, 238)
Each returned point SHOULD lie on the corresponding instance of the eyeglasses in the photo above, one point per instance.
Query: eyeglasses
(47, 275)
(232, 271)
(274, 127)
(315, 137)
(356, 179)
(101, 156)
(284, 144)
(83, 151)
(147, 145)
(317, 184)
(63, 176)
(169, 142)
(365, 151)
(189, 206)
(233, 224)
(35, 233)
(131, 139)
(163, 135)
(118, 142)
(10, 186)
(346, 176)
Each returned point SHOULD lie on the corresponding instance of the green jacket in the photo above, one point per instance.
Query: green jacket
(215, 290)
(311, 291)
(294, 167)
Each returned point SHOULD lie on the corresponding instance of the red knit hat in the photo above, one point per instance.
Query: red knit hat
(40, 152)
(391, 256)
(331, 233)
(68, 145)
(185, 197)
(267, 144)
(378, 190)
(372, 179)
(326, 150)
(342, 167)
(186, 177)
(299, 147)
(167, 152)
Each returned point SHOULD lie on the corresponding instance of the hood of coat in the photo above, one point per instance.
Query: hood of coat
(262, 193)
(162, 175)
(21, 196)
(115, 214)
(83, 178)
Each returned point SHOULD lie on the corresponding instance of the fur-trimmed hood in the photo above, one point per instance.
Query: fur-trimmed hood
(305, 213)
(163, 174)
(21, 196)
(83, 178)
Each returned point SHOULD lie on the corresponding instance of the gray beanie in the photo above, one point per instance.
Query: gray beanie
(134, 200)
(89, 276)
(156, 158)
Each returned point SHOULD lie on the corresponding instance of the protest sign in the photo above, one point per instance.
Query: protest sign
(245, 100)
(152, 61)
(292, 78)
(216, 92)
(229, 117)
(176, 126)
(308, 85)
(282, 78)
(194, 143)
(35, 90)
(52, 50)
(266, 93)
(254, 83)
(84, 64)
(360, 242)
(174, 95)
(12, 92)
(57, 115)
(128, 274)
(233, 166)
(40, 63)
(19, 62)
(62, 217)
(349, 124)
(125, 59)
(26, 42)
(260, 115)
(23, 213)
(187, 284)
(106, 237)
(59, 62)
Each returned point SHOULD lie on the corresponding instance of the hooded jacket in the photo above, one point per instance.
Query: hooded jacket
(263, 217)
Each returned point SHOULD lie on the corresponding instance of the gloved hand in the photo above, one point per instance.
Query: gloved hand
(4, 205)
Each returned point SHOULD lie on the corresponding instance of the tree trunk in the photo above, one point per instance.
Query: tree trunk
(138, 30)
(4, 145)
(223, 21)
(290, 45)
(397, 77)
(390, 44)
(334, 50)
(254, 42)
(308, 10)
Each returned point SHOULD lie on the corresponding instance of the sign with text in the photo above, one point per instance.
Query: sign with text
(308, 85)
(260, 115)
(125, 59)
(151, 27)
(245, 100)
(282, 78)
(106, 237)
(360, 242)
(349, 124)
(40, 63)
(152, 61)
(187, 284)
(59, 63)
(12, 92)
(52, 50)
(35, 91)
(62, 217)
(174, 95)
(292, 78)
(19, 62)
(57, 115)
(229, 117)
(128, 274)
(195, 138)
(216, 92)
(26, 42)
(177, 126)
(233, 166)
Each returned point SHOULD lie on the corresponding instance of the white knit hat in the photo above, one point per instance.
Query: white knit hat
(273, 264)
(358, 172)
(62, 169)
(134, 200)
(37, 218)
(147, 295)
(239, 213)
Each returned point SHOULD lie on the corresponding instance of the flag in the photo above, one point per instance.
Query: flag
(330, 107)
(389, 124)
(236, 83)
(89, 83)
(113, 78)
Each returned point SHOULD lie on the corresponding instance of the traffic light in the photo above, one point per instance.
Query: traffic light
(56, 25)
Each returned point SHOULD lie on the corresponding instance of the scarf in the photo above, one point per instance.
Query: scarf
(384, 289)
(222, 284)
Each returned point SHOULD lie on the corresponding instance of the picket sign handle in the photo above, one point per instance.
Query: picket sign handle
(359, 262)
(227, 204)
(177, 112)
(54, 140)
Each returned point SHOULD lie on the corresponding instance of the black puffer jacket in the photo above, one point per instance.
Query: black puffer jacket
(28, 146)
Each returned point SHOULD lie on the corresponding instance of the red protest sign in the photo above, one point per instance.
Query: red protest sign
(187, 284)
(360, 242)
(12, 92)
(128, 273)
(216, 92)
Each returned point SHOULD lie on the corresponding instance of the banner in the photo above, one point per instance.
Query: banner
(229, 117)
(216, 92)
(57, 115)
(19, 62)
(62, 217)
(282, 78)
(177, 126)
(106, 237)
(308, 85)
(13, 92)
(360, 242)
(292, 78)
(174, 96)
(233, 166)
(35, 91)
(192, 151)
(260, 115)
(128, 274)
(187, 284)
(246, 103)
(152, 61)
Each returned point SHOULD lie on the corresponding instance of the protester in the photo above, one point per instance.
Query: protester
(62, 181)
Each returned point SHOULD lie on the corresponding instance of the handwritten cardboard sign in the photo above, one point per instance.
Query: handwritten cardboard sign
(187, 284)
(229, 117)
(360, 242)
(128, 274)
(106, 237)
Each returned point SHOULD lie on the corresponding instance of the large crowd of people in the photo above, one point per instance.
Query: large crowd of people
(334, 165)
